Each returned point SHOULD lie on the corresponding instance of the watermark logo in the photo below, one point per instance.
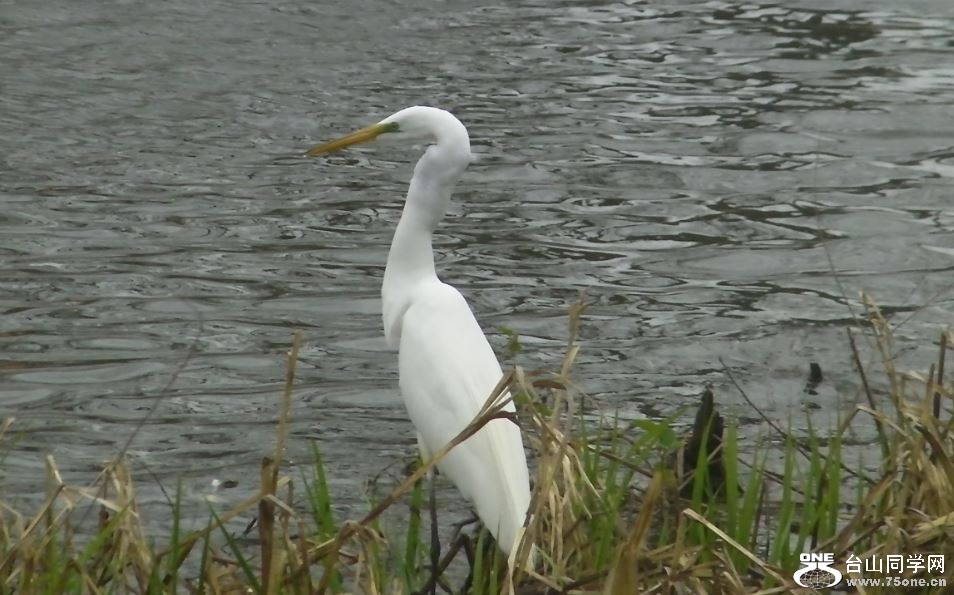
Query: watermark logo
(885, 570)
(818, 573)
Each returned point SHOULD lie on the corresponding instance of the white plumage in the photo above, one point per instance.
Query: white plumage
(447, 367)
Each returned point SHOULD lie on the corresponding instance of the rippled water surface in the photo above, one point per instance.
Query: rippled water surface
(700, 169)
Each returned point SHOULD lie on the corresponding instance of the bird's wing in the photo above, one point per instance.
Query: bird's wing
(448, 370)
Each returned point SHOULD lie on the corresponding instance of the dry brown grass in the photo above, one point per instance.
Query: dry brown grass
(607, 515)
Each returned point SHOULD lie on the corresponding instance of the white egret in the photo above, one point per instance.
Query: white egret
(447, 367)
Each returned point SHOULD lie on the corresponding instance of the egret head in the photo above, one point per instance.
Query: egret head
(412, 125)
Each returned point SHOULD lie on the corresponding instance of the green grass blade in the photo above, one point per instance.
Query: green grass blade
(236, 550)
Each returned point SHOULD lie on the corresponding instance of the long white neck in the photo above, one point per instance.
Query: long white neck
(411, 259)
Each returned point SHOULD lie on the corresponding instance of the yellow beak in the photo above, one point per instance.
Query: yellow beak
(361, 136)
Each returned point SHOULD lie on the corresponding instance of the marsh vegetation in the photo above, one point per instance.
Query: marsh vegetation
(618, 506)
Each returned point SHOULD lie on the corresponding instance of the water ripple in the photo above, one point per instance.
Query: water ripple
(703, 171)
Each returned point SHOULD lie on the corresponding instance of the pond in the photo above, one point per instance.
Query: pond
(720, 179)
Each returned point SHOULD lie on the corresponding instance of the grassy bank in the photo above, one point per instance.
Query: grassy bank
(618, 507)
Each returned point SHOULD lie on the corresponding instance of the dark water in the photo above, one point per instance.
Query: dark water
(699, 168)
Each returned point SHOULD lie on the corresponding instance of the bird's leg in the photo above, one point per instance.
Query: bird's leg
(458, 527)
(468, 546)
(460, 541)
(488, 550)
